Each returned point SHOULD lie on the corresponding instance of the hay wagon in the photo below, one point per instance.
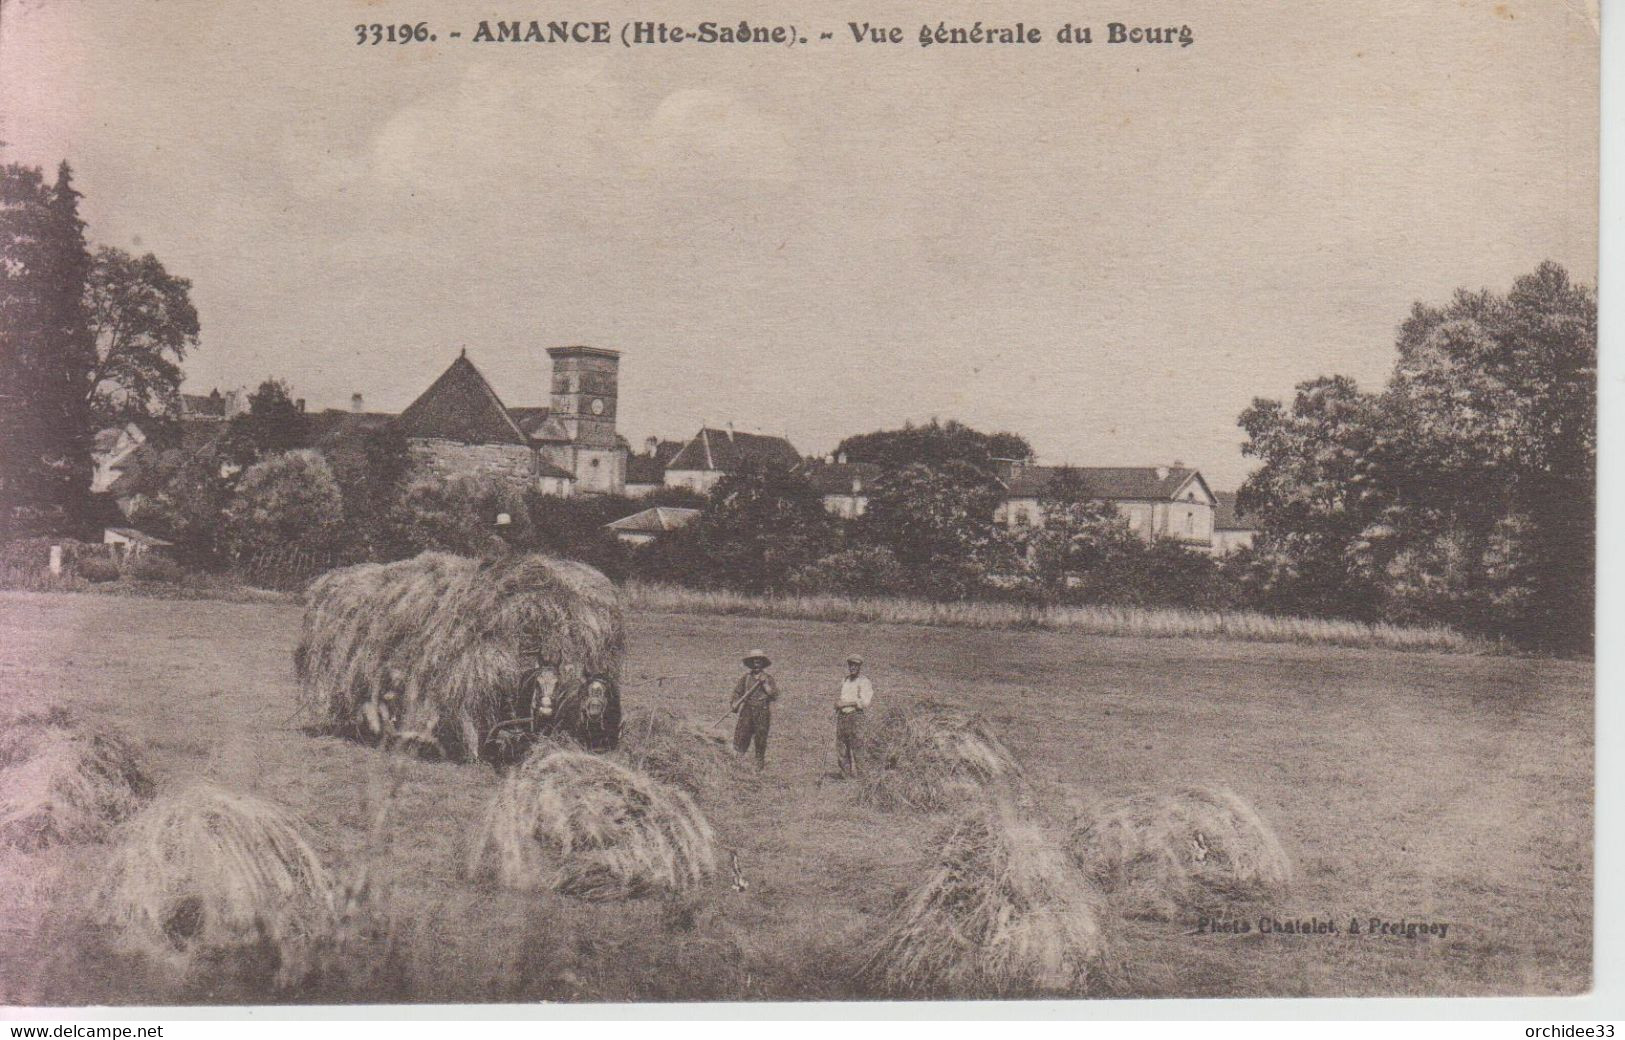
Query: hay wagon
(477, 658)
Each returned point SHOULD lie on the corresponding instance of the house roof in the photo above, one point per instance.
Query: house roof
(726, 450)
(655, 520)
(139, 537)
(1226, 517)
(461, 406)
(205, 406)
(841, 478)
(1111, 483)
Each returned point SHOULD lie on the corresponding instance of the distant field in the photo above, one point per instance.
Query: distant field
(1414, 786)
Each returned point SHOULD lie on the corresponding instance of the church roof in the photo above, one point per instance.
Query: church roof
(461, 406)
(726, 450)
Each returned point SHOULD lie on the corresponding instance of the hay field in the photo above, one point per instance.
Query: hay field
(1404, 786)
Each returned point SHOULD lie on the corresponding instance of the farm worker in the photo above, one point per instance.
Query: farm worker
(857, 693)
(752, 696)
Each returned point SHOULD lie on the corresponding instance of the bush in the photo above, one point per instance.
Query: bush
(150, 567)
(458, 515)
(286, 501)
(862, 571)
(97, 569)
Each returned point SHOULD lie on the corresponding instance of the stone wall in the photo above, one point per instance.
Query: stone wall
(453, 459)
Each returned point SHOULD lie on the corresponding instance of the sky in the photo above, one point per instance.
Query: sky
(1111, 249)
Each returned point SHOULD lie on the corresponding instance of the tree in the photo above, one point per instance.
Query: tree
(1322, 485)
(938, 522)
(143, 323)
(934, 444)
(46, 350)
(287, 501)
(458, 515)
(762, 525)
(1465, 492)
(1495, 401)
(273, 424)
(1079, 539)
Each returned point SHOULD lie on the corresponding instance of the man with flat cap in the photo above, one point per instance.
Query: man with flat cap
(856, 694)
(753, 695)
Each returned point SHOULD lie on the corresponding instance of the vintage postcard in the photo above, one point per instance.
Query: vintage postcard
(669, 502)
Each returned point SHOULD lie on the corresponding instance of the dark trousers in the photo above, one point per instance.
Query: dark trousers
(752, 729)
(846, 740)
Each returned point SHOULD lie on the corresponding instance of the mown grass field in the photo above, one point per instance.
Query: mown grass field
(1405, 785)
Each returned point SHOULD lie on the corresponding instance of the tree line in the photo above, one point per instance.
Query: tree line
(1462, 491)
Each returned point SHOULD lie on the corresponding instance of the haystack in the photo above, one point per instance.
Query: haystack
(677, 751)
(61, 785)
(1000, 914)
(589, 827)
(459, 633)
(1161, 853)
(207, 874)
(931, 757)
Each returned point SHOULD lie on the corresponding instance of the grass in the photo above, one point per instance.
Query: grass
(1096, 620)
(1415, 786)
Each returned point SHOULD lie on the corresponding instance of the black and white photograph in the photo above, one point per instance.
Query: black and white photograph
(748, 504)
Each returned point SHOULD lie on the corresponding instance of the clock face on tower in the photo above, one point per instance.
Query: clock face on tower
(598, 406)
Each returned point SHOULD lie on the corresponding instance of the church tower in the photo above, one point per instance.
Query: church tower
(585, 385)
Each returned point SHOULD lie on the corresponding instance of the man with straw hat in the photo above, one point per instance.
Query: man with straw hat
(857, 693)
(753, 695)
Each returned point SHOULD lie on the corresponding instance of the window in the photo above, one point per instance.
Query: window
(1190, 523)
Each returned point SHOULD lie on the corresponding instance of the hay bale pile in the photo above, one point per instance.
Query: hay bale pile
(589, 827)
(1001, 913)
(931, 757)
(675, 750)
(208, 873)
(459, 632)
(1161, 853)
(60, 785)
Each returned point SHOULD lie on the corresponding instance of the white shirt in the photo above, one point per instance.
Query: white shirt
(857, 692)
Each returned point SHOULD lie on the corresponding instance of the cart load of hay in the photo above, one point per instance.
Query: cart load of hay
(62, 785)
(586, 826)
(1000, 913)
(439, 643)
(1157, 854)
(206, 875)
(931, 757)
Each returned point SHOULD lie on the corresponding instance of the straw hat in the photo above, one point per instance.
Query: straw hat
(757, 655)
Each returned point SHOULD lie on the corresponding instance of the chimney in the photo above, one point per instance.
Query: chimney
(358, 404)
(841, 459)
(1162, 472)
(730, 430)
(300, 404)
(651, 445)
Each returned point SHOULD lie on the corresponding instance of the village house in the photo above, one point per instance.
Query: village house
(1157, 501)
(214, 406)
(1231, 530)
(113, 451)
(646, 472)
(713, 453)
(843, 485)
(459, 427)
